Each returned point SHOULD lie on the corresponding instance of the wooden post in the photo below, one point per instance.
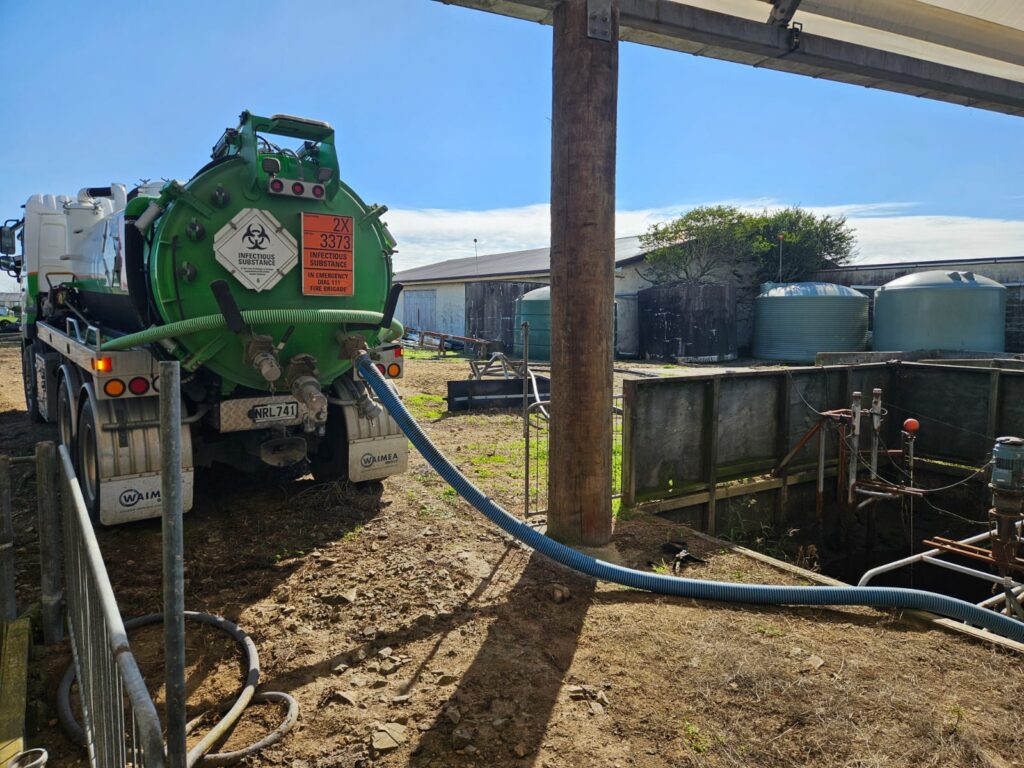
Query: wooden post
(584, 101)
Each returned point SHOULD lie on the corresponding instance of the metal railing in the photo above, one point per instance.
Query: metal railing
(536, 435)
(122, 727)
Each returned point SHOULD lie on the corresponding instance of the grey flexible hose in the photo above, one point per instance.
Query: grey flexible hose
(199, 754)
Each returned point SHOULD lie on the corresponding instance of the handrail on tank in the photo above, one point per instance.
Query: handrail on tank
(314, 131)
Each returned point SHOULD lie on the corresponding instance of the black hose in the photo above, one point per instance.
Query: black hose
(199, 754)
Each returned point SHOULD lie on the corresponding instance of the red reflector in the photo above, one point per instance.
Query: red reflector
(318, 191)
(380, 367)
(398, 351)
(298, 188)
(138, 386)
(276, 185)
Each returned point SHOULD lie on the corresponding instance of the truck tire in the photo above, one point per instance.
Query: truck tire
(28, 376)
(330, 461)
(87, 460)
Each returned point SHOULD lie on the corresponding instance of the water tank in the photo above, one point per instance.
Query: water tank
(688, 323)
(795, 321)
(940, 310)
(535, 308)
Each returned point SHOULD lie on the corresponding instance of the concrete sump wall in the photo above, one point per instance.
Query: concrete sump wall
(703, 448)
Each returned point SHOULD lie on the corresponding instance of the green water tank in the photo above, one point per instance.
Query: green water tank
(940, 309)
(795, 321)
(535, 308)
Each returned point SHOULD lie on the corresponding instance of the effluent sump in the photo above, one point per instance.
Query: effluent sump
(763, 594)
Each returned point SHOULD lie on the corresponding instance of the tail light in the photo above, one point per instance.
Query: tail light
(276, 185)
(114, 388)
(318, 191)
(138, 386)
(298, 188)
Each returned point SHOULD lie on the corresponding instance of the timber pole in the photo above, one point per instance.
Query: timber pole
(583, 126)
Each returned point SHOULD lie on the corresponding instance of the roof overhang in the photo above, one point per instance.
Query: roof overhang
(933, 49)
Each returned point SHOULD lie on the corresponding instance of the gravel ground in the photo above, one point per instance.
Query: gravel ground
(413, 633)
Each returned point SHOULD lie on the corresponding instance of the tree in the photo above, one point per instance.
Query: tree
(809, 243)
(715, 243)
(704, 245)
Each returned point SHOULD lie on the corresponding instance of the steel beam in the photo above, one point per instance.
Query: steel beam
(676, 26)
(782, 12)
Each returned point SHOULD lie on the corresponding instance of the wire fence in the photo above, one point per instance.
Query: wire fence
(121, 724)
(537, 439)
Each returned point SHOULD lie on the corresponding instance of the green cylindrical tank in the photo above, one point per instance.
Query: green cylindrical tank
(795, 321)
(535, 308)
(945, 310)
(278, 226)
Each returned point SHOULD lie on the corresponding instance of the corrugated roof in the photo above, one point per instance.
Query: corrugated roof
(535, 261)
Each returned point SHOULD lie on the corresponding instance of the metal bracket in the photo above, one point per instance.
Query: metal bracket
(599, 20)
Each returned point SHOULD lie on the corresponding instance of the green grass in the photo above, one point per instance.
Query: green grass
(426, 406)
(695, 740)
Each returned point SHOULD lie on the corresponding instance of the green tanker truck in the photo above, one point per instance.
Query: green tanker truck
(264, 275)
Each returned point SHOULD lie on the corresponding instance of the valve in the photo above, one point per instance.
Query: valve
(304, 382)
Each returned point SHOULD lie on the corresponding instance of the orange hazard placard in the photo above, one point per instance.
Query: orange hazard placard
(328, 268)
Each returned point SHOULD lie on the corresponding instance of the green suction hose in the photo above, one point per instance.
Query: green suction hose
(255, 317)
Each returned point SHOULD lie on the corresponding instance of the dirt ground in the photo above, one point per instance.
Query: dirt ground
(399, 616)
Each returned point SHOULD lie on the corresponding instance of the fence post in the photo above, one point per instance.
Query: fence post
(174, 573)
(8, 597)
(51, 563)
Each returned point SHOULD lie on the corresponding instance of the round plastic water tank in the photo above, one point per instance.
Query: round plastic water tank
(535, 308)
(957, 311)
(796, 321)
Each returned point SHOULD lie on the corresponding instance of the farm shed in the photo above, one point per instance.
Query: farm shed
(477, 296)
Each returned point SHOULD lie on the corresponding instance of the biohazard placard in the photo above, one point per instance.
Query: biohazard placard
(328, 268)
(255, 249)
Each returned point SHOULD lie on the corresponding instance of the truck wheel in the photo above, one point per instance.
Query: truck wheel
(330, 462)
(28, 376)
(88, 460)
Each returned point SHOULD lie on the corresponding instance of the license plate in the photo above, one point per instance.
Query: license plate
(270, 412)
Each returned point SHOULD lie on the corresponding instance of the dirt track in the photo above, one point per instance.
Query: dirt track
(406, 614)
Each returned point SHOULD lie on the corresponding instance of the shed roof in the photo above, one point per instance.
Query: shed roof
(536, 261)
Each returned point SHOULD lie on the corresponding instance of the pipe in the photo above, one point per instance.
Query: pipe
(762, 594)
(254, 317)
(174, 561)
(197, 755)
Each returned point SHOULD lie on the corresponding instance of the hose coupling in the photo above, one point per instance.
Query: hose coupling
(304, 382)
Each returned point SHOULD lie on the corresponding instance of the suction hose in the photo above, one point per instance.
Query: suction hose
(762, 594)
(198, 754)
(255, 317)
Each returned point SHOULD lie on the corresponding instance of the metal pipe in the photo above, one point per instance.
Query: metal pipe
(964, 570)
(201, 411)
(876, 423)
(173, 555)
(8, 596)
(526, 417)
(51, 578)
(910, 559)
(851, 479)
(876, 494)
(991, 601)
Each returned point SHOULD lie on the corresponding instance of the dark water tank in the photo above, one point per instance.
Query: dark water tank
(796, 321)
(688, 323)
(940, 310)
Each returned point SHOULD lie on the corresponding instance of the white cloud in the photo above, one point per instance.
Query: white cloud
(885, 231)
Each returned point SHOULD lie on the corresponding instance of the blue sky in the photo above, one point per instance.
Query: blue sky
(443, 114)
